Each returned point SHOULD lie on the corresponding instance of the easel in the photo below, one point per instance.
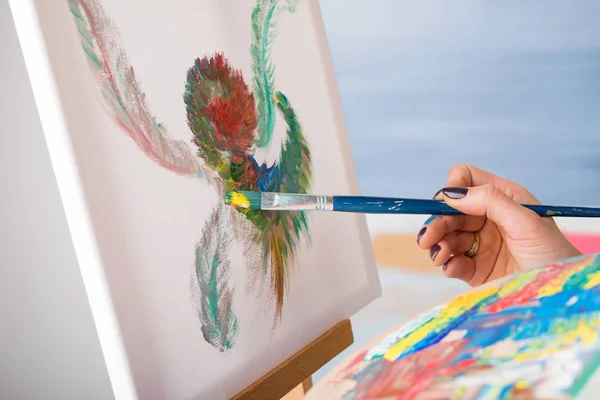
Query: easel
(293, 378)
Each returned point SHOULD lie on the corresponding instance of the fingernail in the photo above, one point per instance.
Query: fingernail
(444, 267)
(436, 194)
(435, 249)
(455, 192)
(421, 233)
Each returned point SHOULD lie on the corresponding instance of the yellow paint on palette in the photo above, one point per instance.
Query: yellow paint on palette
(535, 353)
(521, 385)
(451, 311)
(584, 332)
(555, 285)
(518, 282)
(594, 280)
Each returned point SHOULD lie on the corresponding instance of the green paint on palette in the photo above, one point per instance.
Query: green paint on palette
(583, 379)
(579, 280)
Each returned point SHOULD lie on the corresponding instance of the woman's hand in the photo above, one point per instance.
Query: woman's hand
(512, 238)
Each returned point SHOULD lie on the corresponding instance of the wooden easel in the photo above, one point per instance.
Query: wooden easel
(293, 378)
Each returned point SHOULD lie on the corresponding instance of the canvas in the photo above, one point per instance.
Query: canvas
(534, 335)
(151, 112)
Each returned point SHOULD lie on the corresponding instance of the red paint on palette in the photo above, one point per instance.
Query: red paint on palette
(348, 371)
(527, 293)
(414, 375)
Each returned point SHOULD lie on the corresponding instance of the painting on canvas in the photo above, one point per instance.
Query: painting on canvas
(169, 105)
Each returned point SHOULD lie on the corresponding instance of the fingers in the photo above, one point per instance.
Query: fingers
(493, 207)
(436, 228)
(468, 175)
(465, 175)
(491, 202)
(452, 244)
(460, 267)
(474, 271)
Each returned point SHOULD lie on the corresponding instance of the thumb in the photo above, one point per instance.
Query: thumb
(489, 201)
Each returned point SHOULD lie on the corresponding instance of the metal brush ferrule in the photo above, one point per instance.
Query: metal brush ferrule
(284, 201)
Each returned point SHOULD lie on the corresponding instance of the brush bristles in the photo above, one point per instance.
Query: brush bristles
(243, 199)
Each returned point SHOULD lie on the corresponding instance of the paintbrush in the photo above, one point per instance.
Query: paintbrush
(374, 205)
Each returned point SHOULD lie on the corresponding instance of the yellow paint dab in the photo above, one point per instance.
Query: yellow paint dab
(518, 282)
(583, 332)
(521, 385)
(594, 280)
(451, 311)
(237, 199)
(555, 285)
(468, 300)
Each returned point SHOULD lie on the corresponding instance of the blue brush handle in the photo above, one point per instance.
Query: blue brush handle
(384, 205)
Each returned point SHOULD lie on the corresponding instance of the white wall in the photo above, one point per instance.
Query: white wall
(48, 343)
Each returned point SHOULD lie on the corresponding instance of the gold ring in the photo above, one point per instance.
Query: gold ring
(474, 247)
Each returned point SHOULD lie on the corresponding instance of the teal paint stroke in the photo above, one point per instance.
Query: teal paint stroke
(264, 22)
(212, 273)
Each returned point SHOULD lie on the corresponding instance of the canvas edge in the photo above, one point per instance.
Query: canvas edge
(64, 165)
(366, 296)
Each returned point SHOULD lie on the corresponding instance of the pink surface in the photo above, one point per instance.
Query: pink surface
(586, 243)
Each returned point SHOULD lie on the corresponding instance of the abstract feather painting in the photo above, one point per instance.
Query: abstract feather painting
(227, 120)
(167, 106)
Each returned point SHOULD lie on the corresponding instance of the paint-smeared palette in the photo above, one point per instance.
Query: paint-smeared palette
(533, 335)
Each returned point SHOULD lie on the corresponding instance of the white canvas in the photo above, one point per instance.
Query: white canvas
(137, 221)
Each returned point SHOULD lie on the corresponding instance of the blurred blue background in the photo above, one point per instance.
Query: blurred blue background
(510, 86)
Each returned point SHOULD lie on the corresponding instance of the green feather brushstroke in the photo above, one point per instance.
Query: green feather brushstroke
(263, 33)
(263, 70)
(212, 273)
(294, 168)
(293, 175)
(279, 232)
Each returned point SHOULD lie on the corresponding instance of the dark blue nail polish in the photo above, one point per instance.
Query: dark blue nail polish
(455, 192)
(445, 267)
(435, 249)
(421, 233)
(436, 193)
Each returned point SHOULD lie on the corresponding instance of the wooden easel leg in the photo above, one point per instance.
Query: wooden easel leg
(293, 378)
(307, 384)
(299, 391)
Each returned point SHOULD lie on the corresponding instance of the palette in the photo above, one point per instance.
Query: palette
(532, 335)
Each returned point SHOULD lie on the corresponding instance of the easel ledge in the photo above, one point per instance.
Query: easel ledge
(297, 369)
